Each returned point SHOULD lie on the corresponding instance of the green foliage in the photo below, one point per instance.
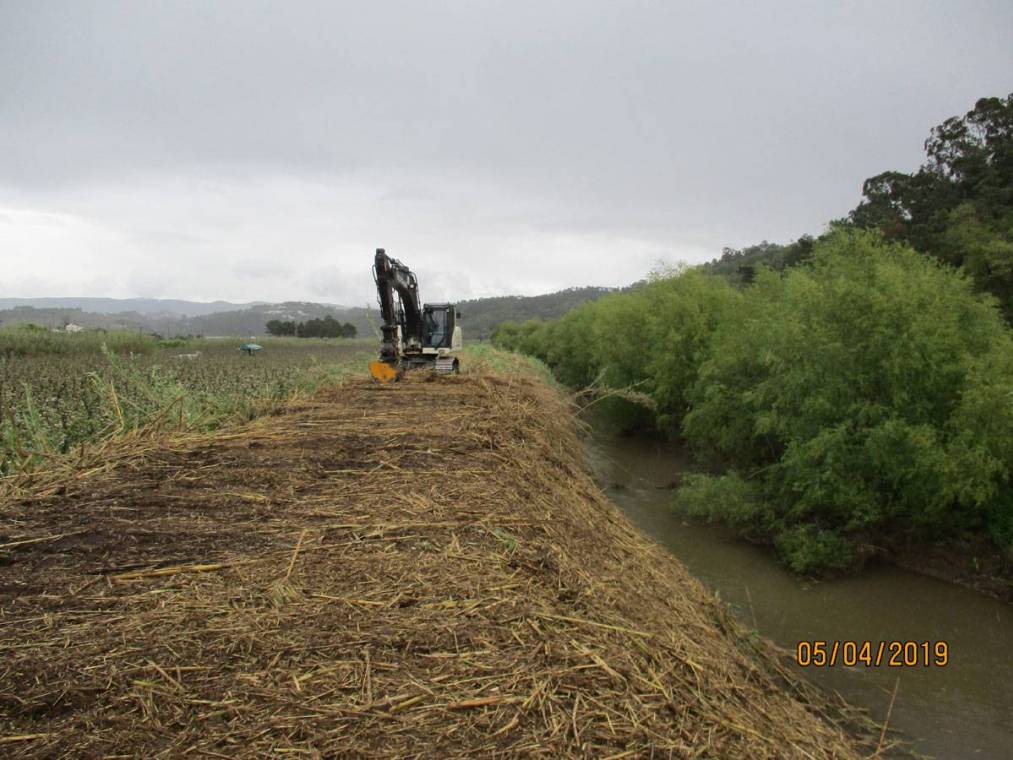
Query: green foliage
(328, 327)
(52, 401)
(809, 550)
(32, 340)
(866, 392)
(958, 207)
(724, 498)
(740, 266)
(173, 342)
(983, 247)
(730, 499)
(650, 339)
(870, 392)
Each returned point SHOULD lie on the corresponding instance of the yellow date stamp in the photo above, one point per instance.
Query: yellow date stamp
(872, 654)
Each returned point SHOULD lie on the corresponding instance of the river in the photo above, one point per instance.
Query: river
(964, 710)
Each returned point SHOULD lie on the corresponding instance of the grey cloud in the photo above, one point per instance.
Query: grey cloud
(682, 125)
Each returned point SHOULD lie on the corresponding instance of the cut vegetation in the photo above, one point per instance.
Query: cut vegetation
(424, 569)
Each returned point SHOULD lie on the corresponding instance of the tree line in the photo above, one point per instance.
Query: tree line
(957, 207)
(327, 327)
(844, 393)
(482, 315)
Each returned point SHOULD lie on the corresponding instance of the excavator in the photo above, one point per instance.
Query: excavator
(414, 335)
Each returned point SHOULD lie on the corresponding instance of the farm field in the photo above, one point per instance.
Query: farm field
(425, 568)
(59, 391)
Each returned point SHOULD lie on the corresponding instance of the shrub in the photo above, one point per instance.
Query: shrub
(651, 339)
(726, 498)
(807, 549)
(864, 393)
(869, 392)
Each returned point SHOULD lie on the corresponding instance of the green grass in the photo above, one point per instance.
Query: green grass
(59, 391)
(63, 391)
(32, 340)
(480, 357)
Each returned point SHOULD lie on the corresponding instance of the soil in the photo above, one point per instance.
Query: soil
(973, 562)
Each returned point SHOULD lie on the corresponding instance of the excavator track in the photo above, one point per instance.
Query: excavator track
(446, 365)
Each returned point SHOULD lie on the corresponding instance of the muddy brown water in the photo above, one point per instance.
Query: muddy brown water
(964, 710)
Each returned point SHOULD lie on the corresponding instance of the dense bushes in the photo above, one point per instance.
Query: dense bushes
(651, 339)
(863, 395)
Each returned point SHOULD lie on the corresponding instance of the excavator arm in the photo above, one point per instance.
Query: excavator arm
(402, 326)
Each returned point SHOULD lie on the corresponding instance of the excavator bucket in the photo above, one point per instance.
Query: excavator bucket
(383, 372)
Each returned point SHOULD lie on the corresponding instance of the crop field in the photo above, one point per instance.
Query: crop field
(58, 392)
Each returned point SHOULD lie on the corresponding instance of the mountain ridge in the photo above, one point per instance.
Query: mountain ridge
(480, 315)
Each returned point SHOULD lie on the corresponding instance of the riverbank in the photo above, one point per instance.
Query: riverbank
(374, 571)
(970, 561)
(960, 710)
(973, 562)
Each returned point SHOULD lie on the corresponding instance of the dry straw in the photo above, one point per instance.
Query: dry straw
(417, 570)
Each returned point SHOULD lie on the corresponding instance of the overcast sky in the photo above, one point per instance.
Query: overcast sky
(261, 151)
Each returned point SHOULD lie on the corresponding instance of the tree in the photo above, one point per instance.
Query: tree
(976, 152)
(327, 327)
(958, 207)
(739, 266)
(984, 248)
(278, 327)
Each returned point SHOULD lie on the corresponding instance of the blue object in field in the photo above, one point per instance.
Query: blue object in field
(250, 348)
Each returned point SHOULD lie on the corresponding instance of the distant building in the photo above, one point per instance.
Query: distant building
(72, 328)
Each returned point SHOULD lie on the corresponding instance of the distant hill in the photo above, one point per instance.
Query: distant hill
(58, 317)
(147, 306)
(480, 316)
(250, 320)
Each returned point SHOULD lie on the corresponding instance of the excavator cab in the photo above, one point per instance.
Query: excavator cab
(439, 320)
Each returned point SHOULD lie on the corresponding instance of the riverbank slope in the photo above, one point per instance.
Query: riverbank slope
(423, 569)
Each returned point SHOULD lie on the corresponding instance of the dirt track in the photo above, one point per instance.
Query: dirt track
(418, 570)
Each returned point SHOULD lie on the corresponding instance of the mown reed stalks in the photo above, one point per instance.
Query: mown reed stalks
(417, 570)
